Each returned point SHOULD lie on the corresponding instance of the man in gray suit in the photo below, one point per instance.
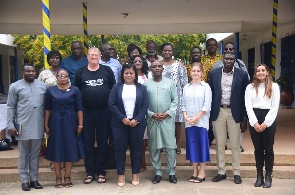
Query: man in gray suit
(25, 120)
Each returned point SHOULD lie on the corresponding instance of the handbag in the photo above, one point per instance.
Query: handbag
(5, 145)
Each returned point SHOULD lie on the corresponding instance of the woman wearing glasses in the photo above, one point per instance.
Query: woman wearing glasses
(63, 123)
(142, 70)
(262, 99)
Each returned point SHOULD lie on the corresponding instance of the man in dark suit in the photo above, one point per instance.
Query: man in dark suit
(228, 113)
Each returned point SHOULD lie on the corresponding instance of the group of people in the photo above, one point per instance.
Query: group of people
(85, 102)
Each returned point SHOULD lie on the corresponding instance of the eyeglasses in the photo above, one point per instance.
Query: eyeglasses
(93, 55)
(137, 61)
(228, 49)
(62, 76)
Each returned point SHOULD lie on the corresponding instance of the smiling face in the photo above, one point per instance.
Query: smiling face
(157, 69)
(261, 73)
(129, 76)
(77, 50)
(229, 47)
(167, 52)
(54, 61)
(196, 72)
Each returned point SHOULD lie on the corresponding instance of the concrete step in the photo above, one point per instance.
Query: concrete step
(9, 159)
(184, 172)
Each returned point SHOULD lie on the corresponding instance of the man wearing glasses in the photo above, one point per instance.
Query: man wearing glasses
(106, 59)
(151, 48)
(75, 61)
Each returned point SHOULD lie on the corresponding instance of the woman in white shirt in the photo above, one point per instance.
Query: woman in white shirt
(128, 102)
(262, 99)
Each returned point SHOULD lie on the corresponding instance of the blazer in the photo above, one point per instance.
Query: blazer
(237, 100)
(116, 105)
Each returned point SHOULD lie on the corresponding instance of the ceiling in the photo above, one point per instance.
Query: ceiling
(144, 16)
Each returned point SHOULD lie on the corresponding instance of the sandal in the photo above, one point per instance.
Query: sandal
(192, 179)
(52, 166)
(101, 179)
(199, 180)
(69, 184)
(88, 179)
(178, 151)
(58, 185)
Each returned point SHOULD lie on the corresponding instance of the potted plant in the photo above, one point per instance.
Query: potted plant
(286, 83)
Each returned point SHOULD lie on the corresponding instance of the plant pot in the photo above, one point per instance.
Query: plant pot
(287, 97)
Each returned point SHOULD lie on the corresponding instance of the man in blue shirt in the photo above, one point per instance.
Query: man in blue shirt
(75, 61)
(107, 60)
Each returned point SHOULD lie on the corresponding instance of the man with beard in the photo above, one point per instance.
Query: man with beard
(151, 48)
(25, 120)
(228, 113)
(75, 61)
(107, 59)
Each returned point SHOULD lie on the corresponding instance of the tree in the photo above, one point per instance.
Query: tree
(33, 44)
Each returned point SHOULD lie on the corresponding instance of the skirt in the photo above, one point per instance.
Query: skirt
(197, 144)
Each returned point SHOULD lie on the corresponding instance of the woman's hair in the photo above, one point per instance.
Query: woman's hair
(166, 44)
(268, 81)
(131, 48)
(145, 67)
(53, 53)
(128, 66)
(198, 64)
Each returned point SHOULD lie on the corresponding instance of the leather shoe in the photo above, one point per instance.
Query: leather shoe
(237, 179)
(219, 177)
(36, 185)
(172, 179)
(26, 186)
(157, 179)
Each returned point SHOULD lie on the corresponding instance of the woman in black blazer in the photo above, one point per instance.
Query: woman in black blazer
(128, 102)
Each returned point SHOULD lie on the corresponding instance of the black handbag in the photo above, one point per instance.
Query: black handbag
(111, 162)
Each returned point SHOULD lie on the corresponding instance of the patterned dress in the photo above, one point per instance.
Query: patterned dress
(178, 74)
(48, 78)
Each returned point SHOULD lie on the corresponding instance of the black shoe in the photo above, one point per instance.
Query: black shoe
(157, 179)
(219, 177)
(237, 179)
(260, 180)
(36, 185)
(26, 186)
(242, 149)
(268, 181)
(172, 179)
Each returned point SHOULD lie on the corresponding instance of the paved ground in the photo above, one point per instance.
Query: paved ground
(226, 187)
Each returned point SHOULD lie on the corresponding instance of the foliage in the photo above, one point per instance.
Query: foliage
(286, 81)
(33, 44)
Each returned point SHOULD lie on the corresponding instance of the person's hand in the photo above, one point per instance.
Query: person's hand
(47, 130)
(126, 121)
(257, 127)
(156, 116)
(162, 116)
(243, 125)
(194, 120)
(13, 132)
(79, 130)
(263, 126)
(188, 120)
(133, 123)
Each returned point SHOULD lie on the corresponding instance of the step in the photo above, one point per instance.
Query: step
(184, 172)
(9, 159)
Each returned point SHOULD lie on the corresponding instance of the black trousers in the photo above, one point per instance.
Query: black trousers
(263, 142)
